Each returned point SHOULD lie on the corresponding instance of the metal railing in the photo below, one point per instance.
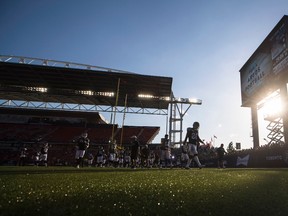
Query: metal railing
(56, 63)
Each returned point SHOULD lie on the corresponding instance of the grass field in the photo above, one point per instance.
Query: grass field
(108, 191)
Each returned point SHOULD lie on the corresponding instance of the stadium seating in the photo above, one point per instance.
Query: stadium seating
(60, 136)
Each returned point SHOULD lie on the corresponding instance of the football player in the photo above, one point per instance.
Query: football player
(83, 143)
(194, 141)
(44, 153)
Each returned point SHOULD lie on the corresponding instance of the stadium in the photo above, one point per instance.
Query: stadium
(54, 102)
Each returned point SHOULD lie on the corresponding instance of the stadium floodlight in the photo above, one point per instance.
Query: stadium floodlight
(145, 96)
(177, 100)
(106, 94)
(88, 92)
(167, 98)
(163, 98)
(195, 101)
(186, 100)
(91, 93)
(37, 89)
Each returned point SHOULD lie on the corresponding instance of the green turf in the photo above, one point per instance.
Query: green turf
(95, 191)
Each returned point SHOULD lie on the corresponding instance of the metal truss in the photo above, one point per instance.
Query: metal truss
(275, 125)
(178, 108)
(275, 128)
(78, 107)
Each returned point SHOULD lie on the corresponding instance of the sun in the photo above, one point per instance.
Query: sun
(272, 107)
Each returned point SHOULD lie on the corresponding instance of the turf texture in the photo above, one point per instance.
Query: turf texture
(122, 191)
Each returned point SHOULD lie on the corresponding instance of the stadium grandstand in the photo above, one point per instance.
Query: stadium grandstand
(61, 130)
(57, 101)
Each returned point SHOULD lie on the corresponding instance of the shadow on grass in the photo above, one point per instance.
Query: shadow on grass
(207, 192)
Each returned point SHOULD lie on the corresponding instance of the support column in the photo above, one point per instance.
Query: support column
(255, 129)
(284, 101)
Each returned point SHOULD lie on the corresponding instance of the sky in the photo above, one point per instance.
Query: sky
(201, 44)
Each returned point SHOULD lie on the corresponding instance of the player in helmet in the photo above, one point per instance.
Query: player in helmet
(135, 151)
(100, 157)
(165, 158)
(127, 157)
(82, 144)
(220, 156)
(192, 136)
(145, 152)
(112, 152)
(23, 156)
(184, 155)
(43, 158)
(90, 159)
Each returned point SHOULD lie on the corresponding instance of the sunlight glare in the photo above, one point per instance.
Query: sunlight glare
(272, 106)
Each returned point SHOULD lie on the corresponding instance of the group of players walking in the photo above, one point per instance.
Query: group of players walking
(117, 156)
(135, 155)
(40, 158)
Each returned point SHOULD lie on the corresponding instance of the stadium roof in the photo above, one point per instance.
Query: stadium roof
(44, 83)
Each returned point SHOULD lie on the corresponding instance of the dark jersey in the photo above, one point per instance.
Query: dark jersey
(220, 152)
(134, 149)
(165, 144)
(193, 136)
(145, 152)
(44, 150)
(100, 152)
(83, 143)
(112, 150)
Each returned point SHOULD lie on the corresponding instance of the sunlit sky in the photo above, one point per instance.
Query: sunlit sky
(201, 44)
